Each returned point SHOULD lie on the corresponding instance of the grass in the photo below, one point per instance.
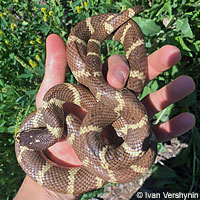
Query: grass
(24, 26)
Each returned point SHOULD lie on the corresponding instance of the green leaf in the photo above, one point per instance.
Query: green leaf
(183, 26)
(24, 75)
(174, 70)
(1, 83)
(45, 29)
(183, 1)
(11, 129)
(161, 147)
(12, 55)
(24, 23)
(182, 43)
(58, 20)
(150, 87)
(109, 2)
(4, 22)
(148, 26)
(164, 172)
(30, 92)
(20, 99)
(160, 11)
(2, 129)
(168, 8)
(126, 3)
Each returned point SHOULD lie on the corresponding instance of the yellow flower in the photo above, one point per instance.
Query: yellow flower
(32, 63)
(4, 90)
(43, 10)
(12, 26)
(38, 40)
(45, 17)
(7, 42)
(1, 14)
(86, 4)
(32, 42)
(6, 12)
(1, 32)
(78, 9)
(51, 13)
(37, 57)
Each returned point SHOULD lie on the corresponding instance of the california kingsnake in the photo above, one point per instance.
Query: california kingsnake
(133, 156)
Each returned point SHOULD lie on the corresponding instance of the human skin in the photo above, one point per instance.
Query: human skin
(118, 71)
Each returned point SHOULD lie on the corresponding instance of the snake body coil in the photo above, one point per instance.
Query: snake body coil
(126, 161)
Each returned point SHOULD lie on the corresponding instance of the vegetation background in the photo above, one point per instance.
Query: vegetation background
(24, 26)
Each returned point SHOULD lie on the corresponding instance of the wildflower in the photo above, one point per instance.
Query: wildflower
(1, 32)
(86, 5)
(37, 57)
(45, 17)
(12, 26)
(32, 42)
(4, 90)
(78, 9)
(7, 42)
(6, 12)
(32, 63)
(43, 10)
(1, 14)
(38, 40)
(23, 64)
(51, 13)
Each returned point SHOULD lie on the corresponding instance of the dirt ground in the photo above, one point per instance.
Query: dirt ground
(130, 191)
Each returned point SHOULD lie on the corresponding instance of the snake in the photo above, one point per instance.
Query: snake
(132, 146)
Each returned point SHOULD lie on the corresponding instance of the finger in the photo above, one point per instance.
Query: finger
(162, 60)
(118, 71)
(158, 62)
(174, 127)
(171, 93)
(55, 69)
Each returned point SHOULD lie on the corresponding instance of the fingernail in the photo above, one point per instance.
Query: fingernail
(119, 76)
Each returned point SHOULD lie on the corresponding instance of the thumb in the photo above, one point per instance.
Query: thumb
(56, 62)
(118, 71)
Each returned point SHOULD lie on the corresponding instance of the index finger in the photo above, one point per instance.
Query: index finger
(161, 60)
(55, 69)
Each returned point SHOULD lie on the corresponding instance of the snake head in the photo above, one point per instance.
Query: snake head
(37, 139)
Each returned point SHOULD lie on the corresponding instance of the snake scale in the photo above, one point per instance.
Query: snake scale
(134, 153)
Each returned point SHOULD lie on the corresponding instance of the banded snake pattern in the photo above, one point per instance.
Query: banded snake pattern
(135, 150)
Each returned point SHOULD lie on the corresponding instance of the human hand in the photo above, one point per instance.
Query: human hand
(117, 75)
